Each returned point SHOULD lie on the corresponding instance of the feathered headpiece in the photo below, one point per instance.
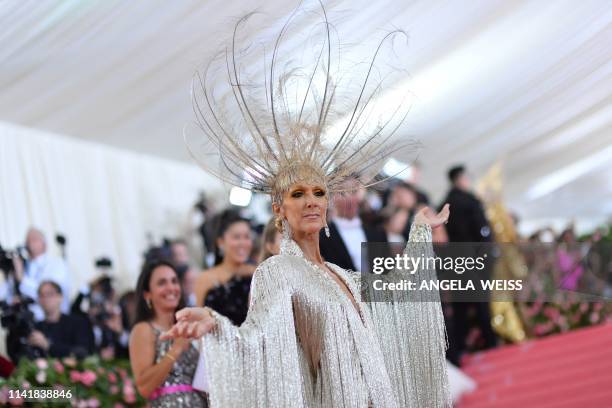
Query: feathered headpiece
(302, 120)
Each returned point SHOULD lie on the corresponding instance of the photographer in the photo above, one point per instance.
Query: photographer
(104, 314)
(58, 335)
(41, 266)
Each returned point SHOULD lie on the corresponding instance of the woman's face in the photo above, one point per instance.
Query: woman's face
(164, 289)
(304, 207)
(397, 222)
(237, 242)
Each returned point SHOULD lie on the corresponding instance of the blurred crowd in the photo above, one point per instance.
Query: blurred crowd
(42, 320)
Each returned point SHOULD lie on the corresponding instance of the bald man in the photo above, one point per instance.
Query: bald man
(40, 267)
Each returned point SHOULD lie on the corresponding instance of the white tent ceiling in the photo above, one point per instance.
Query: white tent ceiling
(529, 83)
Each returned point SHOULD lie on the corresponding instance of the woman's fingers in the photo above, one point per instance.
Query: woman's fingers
(192, 314)
(170, 334)
(190, 325)
(179, 329)
(445, 212)
(188, 330)
(192, 331)
(183, 314)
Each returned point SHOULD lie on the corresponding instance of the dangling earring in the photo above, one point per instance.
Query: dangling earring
(148, 301)
(278, 223)
(326, 230)
(286, 229)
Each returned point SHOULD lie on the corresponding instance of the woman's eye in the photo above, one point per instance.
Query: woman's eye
(320, 193)
(296, 194)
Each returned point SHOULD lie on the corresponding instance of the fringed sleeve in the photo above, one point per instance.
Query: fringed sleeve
(412, 334)
(256, 364)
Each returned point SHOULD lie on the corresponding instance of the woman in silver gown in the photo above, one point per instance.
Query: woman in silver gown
(309, 339)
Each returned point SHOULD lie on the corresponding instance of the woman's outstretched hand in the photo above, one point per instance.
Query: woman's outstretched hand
(428, 216)
(191, 323)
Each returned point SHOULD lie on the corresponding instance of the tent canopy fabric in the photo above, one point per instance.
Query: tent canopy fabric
(527, 83)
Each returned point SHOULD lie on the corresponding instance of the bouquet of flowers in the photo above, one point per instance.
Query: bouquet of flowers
(88, 383)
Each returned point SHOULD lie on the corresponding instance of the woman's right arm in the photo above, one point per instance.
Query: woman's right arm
(257, 363)
(147, 374)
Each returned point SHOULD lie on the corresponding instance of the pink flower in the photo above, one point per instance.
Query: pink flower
(528, 312)
(562, 322)
(70, 362)
(118, 405)
(88, 378)
(41, 377)
(584, 307)
(112, 377)
(75, 376)
(129, 394)
(542, 328)
(594, 318)
(100, 370)
(551, 312)
(25, 385)
(107, 354)
(93, 403)
(41, 363)
(535, 308)
(16, 402)
(58, 367)
(114, 389)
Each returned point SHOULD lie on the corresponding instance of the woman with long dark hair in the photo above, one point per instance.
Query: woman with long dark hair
(163, 369)
(226, 286)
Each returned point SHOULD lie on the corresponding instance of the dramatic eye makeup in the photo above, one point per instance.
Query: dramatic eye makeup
(300, 191)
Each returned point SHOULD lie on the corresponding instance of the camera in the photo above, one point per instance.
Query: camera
(6, 259)
(102, 293)
(19, 322)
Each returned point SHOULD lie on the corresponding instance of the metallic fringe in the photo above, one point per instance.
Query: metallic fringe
(389, 355)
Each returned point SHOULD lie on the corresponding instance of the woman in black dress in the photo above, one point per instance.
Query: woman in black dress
(226, 286)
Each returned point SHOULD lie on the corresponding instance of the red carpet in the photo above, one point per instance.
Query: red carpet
(561, 371)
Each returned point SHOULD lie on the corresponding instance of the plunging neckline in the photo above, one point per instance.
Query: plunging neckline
(290, 247)
(350, 295)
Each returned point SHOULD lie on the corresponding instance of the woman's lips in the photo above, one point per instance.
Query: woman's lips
(170, 297)
(311, 216)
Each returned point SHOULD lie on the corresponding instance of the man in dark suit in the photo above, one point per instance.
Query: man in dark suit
(467, 223)
(347, 231)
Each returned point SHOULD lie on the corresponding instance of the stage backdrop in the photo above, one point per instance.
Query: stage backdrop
(104, 200)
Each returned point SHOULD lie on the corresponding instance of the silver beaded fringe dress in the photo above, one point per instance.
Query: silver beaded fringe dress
(304, 344)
